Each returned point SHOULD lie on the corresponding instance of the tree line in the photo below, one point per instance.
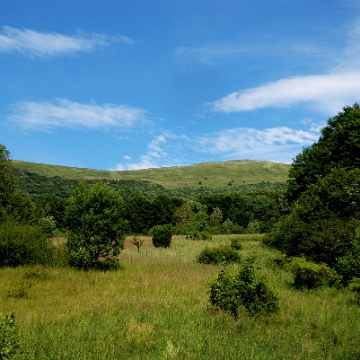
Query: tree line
(96, 215)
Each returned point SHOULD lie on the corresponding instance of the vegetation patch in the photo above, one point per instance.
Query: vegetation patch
(222, 254)
(161, 236)
(242, 292)
(310, 275)
(9, 337)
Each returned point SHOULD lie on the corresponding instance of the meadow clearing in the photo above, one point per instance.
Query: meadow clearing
(156, 306)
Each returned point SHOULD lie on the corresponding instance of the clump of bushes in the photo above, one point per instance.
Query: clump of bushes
(199, 235)
(22, 244)
(161, 235)
(217, 255)
(236, 243)
(309, 275)
(242, 292)
(9, 337)
(355, 287)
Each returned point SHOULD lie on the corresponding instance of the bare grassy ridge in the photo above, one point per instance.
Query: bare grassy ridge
(209, 174)
(156, 307)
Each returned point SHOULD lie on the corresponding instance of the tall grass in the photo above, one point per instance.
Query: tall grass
(156, 307)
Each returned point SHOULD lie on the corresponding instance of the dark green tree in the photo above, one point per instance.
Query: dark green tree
(323, 220)
(94, 215)
(161, 235)
(138, 213)
(338, 146)
(7, 178)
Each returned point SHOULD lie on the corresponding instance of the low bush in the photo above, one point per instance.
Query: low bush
(348, 267)
(236, 243)
(9, 337)
(355, 287)
(22, 244)
(217, 255)
(161, 235)
(309, 275)
(242, 292)
(199, 235)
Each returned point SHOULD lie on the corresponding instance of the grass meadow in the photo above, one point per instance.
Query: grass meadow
(156, 307)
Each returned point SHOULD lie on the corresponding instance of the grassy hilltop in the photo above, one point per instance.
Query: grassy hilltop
(215, 174)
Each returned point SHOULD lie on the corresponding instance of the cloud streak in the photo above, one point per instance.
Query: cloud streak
(162, 151)
(326, 92)
(274, 144)
(63, 113)
(45, 44)
(280, 144)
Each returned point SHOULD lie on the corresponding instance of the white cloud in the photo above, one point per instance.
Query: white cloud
(280, 144)
(43, 44)
(274, 144)
(328, 93)
(45, 116)
(157, 154)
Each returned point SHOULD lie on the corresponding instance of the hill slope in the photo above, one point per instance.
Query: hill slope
(218, 174)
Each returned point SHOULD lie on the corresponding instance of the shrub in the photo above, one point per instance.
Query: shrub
(199, 235)
(242, 292)
(94, 217)
(355, 287)
(254, 227)
(161, 235)
(236, 243)
(309, 275)
(217, 255)
(348, 267)
(9, 337)
(22, 244)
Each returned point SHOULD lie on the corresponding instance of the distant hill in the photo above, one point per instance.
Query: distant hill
(209, 174)
(186, 181)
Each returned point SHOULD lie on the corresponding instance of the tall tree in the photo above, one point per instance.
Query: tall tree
(7, 178)
(338, 146)
(94, 217)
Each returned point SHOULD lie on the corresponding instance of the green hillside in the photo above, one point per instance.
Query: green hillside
(219, 174)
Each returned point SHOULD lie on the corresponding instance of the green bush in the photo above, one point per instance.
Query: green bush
(309, 275)
(348, 267)
(161, 235)
(254, 227)
(217, 255)
(242, 292)
(9, 337)
(354, 286)
(22, 244)
(236, 243)
(199, 235)
(94, 217)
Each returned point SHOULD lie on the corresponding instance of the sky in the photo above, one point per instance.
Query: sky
(135, 84)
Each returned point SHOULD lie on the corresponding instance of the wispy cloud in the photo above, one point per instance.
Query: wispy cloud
(46, 44)
(208, 53)
(280, 144)
(282, 50)
(328, 93)
(162, 151)
(63, 113)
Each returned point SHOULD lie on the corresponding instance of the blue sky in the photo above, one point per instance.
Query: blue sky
(132, 84)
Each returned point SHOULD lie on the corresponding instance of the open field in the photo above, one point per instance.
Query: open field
(156, 307)
(208, 174)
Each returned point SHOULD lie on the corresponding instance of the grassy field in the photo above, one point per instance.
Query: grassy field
(156, 307)
(208, 174)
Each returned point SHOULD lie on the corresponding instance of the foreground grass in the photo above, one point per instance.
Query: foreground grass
(156, 307)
